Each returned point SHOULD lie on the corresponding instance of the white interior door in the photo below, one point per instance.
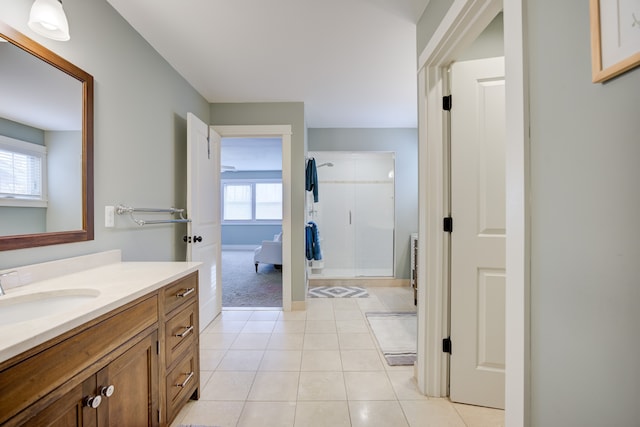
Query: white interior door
(203, 197)
(478, 240)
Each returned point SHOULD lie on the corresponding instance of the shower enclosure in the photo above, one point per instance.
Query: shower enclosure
(354, 213)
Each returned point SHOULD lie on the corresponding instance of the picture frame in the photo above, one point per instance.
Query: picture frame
(615, 37)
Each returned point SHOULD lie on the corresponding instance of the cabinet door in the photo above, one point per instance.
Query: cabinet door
(69, 410)
(133, 401)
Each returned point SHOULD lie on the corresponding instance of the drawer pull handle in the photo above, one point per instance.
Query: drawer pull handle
(185, 292)
(186, 380)
(187, 331)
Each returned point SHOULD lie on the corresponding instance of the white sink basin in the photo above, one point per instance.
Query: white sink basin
(21, 308)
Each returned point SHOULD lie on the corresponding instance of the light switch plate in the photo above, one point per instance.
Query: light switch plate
(109, 216)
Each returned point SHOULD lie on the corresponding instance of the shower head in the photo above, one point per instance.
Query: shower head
(326, 164)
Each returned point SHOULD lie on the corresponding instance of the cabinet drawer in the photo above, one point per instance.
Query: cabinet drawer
(180, 333)
(180, 292)
(181, 382)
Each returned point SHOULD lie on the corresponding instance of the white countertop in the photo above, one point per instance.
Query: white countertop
(117, 284)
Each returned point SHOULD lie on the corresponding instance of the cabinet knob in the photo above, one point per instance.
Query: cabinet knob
(93, 401)
(107, 391)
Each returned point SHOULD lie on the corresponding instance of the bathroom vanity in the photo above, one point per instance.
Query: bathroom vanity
(122, 351)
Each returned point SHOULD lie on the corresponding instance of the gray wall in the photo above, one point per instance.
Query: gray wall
(140, 131)
(429, 21)
(281, 113)
(404, 142)
(489, 44)
(64, 180)
(585, 206)
(585, 274)
(16, 130)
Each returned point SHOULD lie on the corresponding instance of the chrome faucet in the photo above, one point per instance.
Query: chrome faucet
(4, 275)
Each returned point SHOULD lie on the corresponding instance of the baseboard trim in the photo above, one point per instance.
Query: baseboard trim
(298, 305)
(361, 281)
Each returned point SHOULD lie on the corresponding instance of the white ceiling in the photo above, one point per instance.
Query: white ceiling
(37, 94)
(352, 62)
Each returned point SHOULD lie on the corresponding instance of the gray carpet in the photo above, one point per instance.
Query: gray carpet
(243, 287)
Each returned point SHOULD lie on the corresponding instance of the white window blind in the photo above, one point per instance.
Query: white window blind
(237, 202)
(251, 201)
(269, 201)
(22, 171)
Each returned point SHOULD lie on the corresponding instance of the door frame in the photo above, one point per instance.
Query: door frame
(464, 21)
(284, 132)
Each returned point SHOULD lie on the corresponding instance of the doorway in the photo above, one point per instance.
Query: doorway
(463, 22)
(283, 132)
(251, 211)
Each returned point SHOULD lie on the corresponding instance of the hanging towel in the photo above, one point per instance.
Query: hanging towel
(313, 242)
(308, 242)
(312, 178)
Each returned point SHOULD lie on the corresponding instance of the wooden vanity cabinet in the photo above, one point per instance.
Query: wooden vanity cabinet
(127, 349)
(132, 400)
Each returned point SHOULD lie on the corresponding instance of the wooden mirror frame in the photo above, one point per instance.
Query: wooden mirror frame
(22, 241)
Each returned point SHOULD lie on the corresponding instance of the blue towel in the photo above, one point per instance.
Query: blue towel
(311, 183)
(308, 242)
(312, 242)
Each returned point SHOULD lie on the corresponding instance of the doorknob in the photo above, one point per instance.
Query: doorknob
(197, 238)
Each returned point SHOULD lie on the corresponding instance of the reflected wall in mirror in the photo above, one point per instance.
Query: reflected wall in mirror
(46, 146)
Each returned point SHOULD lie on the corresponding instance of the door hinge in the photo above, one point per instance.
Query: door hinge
(446, 103)
(447, 224)
(446, 345)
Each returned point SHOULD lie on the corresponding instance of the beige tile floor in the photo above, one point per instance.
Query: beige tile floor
(319, 367)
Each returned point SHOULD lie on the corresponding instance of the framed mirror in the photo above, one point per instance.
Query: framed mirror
(46, 146)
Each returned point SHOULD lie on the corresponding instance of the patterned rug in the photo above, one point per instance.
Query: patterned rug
(397, 335)
(338, 292)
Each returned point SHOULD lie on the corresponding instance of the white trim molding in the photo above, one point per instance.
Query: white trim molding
(518, 300)
(283, 131)
(464, 21)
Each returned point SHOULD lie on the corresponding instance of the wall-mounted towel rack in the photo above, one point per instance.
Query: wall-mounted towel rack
(121, 210)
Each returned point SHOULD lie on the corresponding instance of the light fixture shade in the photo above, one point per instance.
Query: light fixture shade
(48, 19)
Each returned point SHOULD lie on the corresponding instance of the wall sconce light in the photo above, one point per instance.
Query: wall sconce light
(48, 19)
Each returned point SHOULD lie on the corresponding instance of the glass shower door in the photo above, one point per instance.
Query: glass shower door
(355, 213)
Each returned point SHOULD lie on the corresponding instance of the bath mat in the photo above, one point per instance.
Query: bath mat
(396, 334)
(338, 292)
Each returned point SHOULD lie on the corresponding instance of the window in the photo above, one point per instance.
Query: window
(22, 173)
(238, 202)
(251, 201)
